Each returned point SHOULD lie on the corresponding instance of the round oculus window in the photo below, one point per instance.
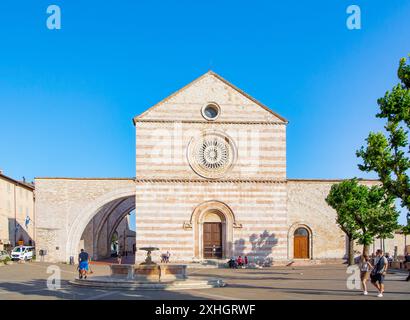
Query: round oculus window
(210, 111)
(211, 155)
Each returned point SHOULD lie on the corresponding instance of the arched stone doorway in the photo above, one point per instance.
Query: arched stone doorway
(213, 223)
(300, 241)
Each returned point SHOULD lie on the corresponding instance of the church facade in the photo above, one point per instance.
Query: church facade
(210, 183)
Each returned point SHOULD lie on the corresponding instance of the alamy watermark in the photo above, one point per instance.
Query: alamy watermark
(353, 281)
(54, 280)
(354, 20)
(53, 21)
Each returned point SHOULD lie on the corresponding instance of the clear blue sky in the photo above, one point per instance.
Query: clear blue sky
(67, 96)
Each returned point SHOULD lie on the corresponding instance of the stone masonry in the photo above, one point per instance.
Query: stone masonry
(236, 177)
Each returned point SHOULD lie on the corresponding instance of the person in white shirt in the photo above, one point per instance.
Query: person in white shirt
(365, 268)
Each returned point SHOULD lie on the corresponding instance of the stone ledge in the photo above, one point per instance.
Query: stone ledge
(114, 283)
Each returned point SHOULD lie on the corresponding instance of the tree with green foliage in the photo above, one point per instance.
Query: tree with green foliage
(342, 197)
(389, 154)
(363, 213)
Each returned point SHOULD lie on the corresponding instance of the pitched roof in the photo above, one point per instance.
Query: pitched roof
(17, 183)
(221, 79)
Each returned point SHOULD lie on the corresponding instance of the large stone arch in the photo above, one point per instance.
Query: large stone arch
(64, 207)
(110, 219)
(228, 221)
(119, 217)
(88, 212)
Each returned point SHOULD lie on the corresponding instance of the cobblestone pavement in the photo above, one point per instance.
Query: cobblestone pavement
(29, 281)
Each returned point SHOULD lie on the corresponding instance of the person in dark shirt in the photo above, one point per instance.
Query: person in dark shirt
(379, 271)
(407, 264)
(83, 264)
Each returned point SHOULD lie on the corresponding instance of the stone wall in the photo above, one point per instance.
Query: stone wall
(165, 218)
(162, 149)
(399, 240)
(65, 206)
(307, 208)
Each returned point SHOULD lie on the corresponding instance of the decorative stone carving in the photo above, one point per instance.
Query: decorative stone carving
(187, 226)
(237, 225)
(211, 154)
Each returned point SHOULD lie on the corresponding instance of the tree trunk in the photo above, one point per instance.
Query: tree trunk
(351, 252)
(366, 249)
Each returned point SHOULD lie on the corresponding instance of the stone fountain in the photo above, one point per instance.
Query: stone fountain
(149, 275)
(149, 270)
(148, 259)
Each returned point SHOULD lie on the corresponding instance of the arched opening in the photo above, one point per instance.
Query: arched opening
(111, 232)
(301, 243)
(213, 223)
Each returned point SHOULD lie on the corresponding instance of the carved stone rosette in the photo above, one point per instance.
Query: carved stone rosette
(211, 154)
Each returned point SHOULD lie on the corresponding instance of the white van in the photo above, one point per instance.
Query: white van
(22, 253)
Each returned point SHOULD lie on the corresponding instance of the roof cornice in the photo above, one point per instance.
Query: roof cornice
(332, 180)
(207, 122)
(82, 178)
(176, 180)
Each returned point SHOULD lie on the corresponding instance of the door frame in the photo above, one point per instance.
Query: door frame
(228, 224)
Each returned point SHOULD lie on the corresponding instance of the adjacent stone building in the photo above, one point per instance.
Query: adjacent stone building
(17, 218)
(210, 183)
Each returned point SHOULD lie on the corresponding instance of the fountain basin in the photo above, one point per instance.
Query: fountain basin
(149, 277)
(149, 272)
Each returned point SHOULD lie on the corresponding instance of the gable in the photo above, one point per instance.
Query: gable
(186, 104)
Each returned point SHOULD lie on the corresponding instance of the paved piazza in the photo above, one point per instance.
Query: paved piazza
(28, 281)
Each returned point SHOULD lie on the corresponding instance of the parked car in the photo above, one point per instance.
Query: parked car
(22, 253)
(4, 255)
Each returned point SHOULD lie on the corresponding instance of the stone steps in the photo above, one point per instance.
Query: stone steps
(116, 283)
(308, 262)
(209, 263)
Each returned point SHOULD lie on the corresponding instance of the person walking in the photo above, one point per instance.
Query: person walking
(407, 264)
(83, 258)
(379, 271)
(365, 268)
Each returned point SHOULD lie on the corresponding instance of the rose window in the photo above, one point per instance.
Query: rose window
(211, 154)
